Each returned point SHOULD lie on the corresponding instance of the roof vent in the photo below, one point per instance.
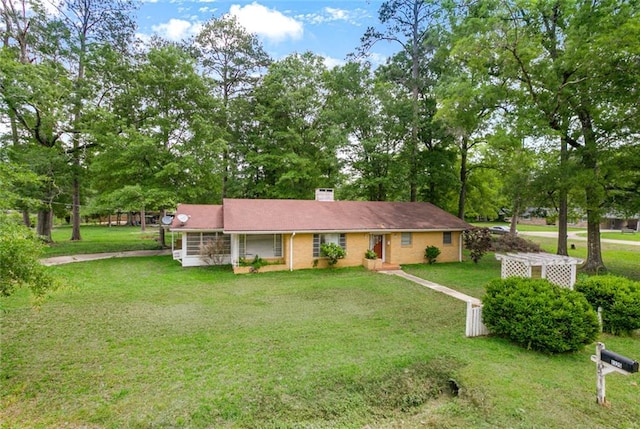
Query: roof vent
(324, 194)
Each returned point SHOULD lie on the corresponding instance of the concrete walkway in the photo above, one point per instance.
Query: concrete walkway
(59, 260)
(435, 286)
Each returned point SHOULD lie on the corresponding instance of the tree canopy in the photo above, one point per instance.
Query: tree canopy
(486, 108)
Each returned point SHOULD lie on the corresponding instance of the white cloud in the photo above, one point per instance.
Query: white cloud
(176, 29)
(268, 23)
(337, 14)
(333, 62)
(331, 14)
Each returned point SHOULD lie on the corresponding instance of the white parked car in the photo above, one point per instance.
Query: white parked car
(500, 229)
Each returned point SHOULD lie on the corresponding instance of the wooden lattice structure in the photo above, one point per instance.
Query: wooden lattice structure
(560, 270)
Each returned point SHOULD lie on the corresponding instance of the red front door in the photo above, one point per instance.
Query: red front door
(377, 245)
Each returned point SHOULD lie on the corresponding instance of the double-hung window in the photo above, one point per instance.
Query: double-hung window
(406, 239)
(320, 239)
(263, 245)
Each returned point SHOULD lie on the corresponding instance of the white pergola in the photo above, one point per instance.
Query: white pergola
(558, 269)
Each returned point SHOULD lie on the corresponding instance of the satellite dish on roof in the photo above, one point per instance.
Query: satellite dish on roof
(183, 217)
(166, 220)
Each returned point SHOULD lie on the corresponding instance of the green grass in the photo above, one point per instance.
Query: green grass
(619, 259)
(526, 227)
(621, 236)
(102, 239)
(144, 343)
(465, 277)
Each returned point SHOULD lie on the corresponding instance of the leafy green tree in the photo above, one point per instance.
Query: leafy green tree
(20, 266)
(20, 246)
(294, 141)
(469, 100)
(34, 96)
(575, 64)
(416, 27)
(233, 59)
(166, 149)
(365, 107)
(89, 25)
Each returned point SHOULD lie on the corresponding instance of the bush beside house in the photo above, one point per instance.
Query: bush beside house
(619, 299)
(539, 315)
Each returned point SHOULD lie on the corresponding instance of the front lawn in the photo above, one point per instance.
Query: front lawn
(103, 239)
(145, 343)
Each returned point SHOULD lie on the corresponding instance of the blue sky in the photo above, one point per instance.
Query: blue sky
(331, 28)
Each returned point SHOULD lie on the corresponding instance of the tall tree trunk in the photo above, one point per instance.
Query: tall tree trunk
(143, 219)
(162, 239)
(77, 116)
(26, 219)
(75, 209)
(515, 215)
(563, 206)
(594, 263)
(462, 197)
(44, 224)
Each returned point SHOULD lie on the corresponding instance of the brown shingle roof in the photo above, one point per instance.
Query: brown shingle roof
(201, 216)
(242, 215)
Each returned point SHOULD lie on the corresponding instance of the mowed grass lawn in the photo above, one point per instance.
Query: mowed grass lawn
(103, 239)
(144, 343)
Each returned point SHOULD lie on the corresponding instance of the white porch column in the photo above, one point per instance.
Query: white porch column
(235, 245)
(293, 234)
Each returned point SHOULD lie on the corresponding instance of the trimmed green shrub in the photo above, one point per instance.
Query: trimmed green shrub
(431, 253)
(256, 263)
(370, 254)
(539, 315)
(333, 252)
(619, 298)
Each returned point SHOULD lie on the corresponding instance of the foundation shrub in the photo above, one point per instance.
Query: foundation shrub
(539, 315)
(431, 253)
(619, 298)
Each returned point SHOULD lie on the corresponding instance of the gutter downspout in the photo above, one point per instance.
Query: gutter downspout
(293, 234)
(460, 246)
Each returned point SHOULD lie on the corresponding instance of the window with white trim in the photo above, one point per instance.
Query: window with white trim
(320, 239)
(406, 239)
(263, 245)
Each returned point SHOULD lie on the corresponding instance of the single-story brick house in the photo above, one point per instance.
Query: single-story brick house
(289, 233)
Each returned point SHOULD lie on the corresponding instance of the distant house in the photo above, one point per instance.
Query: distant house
(289, 233)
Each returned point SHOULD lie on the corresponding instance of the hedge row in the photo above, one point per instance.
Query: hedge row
(539, 315)
(619, 298)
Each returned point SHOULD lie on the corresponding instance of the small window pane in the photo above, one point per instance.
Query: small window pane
(320, 239)
(447, 237)
(406, 239)
(277, 245)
